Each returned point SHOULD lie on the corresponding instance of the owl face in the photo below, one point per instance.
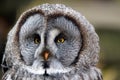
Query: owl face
(49, 44)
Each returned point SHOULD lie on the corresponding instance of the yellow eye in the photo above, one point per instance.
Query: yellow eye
(61, 40)
(37, 40)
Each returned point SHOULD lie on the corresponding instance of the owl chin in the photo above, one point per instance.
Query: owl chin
(46, 64)
(47, 69)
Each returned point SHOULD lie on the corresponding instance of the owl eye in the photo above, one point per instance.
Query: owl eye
(37, 39)
(61, 40)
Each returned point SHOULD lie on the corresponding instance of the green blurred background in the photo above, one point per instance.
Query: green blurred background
(103, 14)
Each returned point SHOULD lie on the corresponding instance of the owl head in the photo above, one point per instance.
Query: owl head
(50, 39)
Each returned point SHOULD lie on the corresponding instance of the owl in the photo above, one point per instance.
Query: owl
(51, 42)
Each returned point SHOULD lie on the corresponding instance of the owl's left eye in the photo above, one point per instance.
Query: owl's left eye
(60, 38)
(37, 39)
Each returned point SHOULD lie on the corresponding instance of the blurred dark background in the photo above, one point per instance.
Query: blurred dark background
(103, 14)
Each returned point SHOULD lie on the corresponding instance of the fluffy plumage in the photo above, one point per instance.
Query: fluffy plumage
(68, 39)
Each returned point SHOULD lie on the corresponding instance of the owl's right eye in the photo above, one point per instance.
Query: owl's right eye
(37, 39)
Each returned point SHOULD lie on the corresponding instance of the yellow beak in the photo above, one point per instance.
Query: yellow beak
(46, 55)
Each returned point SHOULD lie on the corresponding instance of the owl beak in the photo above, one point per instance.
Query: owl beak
(46, 55)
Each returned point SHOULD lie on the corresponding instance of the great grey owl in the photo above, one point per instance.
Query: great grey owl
(51, 42)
